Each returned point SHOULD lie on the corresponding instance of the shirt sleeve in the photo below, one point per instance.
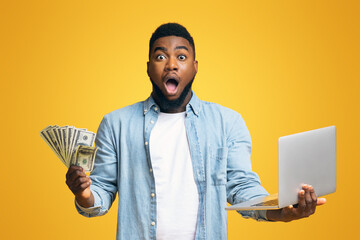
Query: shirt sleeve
(104, 174)
(242, 183)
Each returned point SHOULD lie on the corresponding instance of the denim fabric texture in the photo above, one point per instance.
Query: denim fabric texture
(220, 148)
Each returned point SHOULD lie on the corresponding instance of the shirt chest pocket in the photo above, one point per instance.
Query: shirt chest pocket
(218, 163)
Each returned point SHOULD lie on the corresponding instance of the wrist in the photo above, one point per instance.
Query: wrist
(273, 215)
(85, 202)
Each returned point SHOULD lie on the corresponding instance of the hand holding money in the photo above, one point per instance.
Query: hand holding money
(79, 183)
(73, 146)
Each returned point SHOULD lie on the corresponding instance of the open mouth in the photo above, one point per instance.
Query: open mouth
(171, 84)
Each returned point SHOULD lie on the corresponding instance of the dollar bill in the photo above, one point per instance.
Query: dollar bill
(85, 157)
(47, 139)
(64, 141)
(62, 131)
(70, 132)
(52, 137)
(81, 137)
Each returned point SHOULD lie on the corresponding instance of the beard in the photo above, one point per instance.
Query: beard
(166, 104)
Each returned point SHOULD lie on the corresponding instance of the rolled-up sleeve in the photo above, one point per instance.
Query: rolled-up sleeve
(104, 174)
(242, 183)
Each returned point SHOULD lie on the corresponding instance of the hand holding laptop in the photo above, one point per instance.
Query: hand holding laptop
(306, 207)
(307, 157)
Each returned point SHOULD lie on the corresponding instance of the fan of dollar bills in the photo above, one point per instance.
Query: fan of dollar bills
(73, 146)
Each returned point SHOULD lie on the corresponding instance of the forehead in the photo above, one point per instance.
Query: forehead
(171, 42)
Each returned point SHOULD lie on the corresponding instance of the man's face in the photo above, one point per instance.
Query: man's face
(171, 66)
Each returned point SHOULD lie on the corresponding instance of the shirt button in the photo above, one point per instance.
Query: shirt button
(155, 108)
(153, 223)
(150, 169)
(152, 194)
(152, 122)
(146, 143)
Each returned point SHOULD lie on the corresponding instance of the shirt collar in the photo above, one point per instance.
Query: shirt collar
(149, 102)
(193, 105)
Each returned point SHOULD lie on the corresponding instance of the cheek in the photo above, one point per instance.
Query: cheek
(155, 71)
(188, 71)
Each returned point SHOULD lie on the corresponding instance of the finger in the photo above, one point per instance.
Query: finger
(313, 198)
(302, 203)
(81, 187)
(74, 187)
(311, 208)
(71, 169)
(82, 181)
(321, 201)
(308, 198)
(74, 175)
(313, 195)
(75, 181)
(290, 212)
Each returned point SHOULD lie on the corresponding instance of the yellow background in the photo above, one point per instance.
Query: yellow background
(286, 66)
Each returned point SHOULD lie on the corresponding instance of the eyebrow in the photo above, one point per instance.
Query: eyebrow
(182, 47)
(165, 49)
(160, 48)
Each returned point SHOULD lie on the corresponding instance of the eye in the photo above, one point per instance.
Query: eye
(160, 57)
(182, 57)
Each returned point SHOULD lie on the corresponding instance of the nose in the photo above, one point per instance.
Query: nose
(171, 64)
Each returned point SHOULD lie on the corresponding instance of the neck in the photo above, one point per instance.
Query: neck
(164, 107)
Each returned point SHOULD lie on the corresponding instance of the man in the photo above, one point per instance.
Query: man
(173, 159)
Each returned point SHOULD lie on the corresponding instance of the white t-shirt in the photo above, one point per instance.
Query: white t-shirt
(176, 192)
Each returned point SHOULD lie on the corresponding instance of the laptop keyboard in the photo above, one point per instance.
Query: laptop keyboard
(272, 202)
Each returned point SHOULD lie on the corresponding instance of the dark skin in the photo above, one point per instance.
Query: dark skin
(173, 58)
(306, 206)
(79, 183)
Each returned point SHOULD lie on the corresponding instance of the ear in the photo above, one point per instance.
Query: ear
(196, 66)
(147, 68)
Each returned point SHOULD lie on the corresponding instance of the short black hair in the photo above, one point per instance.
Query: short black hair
(171, 29)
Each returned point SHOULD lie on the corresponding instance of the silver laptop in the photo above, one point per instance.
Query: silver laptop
(304, 158)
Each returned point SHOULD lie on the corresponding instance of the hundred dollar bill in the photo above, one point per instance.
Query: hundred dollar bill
(47, 139)
(65, 140)
(85, 157)
(52, 137)
(70, 132)
(81, 137)
(62, 134)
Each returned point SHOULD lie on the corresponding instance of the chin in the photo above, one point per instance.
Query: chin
(172, 97)
(168, 102)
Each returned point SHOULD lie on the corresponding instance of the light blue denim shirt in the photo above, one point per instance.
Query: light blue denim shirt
(220, 148)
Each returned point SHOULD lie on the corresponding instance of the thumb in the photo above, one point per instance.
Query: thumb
(321, 201)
